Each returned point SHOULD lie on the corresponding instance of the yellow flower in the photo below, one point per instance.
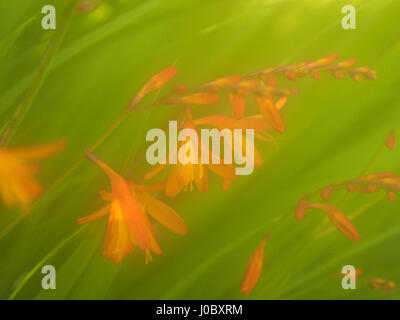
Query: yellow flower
(18, 186)
(128, 224)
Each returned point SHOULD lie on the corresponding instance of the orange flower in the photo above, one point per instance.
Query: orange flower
(182, 176)
(18, 186)
(155, 83)
(254, 267)
(382, 284)
(338, 219)
(128, 225)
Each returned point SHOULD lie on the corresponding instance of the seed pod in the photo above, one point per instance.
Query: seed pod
(391, 195)
(326, 193)
(391, 140)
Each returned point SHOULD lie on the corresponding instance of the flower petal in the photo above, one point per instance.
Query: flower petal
(118, 242)
(95, 215)
(339, 220)
(254, 267)
(199, 98)
(270, 112)
(238, 104)
(163, 213)
(155, 83)
(301, 208)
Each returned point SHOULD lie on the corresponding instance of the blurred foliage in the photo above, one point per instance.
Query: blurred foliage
(334, 128)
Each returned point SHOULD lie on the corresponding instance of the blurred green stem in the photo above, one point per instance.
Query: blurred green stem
(41, 262)
(39, 77)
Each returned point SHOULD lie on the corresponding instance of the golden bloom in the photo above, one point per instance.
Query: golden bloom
(254, 267)
(128, 224)
(18, 186)
(184, 176)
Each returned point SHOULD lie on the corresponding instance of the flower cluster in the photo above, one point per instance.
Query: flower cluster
(132, 210)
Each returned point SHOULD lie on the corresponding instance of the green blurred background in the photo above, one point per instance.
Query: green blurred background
(334, 127)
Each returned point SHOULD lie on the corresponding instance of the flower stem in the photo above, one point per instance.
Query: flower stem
(38, 79)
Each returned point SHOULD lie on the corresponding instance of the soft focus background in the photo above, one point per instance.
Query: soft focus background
(334, 128)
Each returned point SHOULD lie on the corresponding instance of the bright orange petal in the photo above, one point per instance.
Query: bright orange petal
(339, 220)
(281, 103)
(223, 170)
(322, 62)
(163, 213)
(95, 215)
(155, 83)
(132, 213)
(223, 81)
(118, 242)
(174, 185)
(200, 98)
(377, 176)
(270, 112)
(238, 104)
(269, 80)
(254, 267)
